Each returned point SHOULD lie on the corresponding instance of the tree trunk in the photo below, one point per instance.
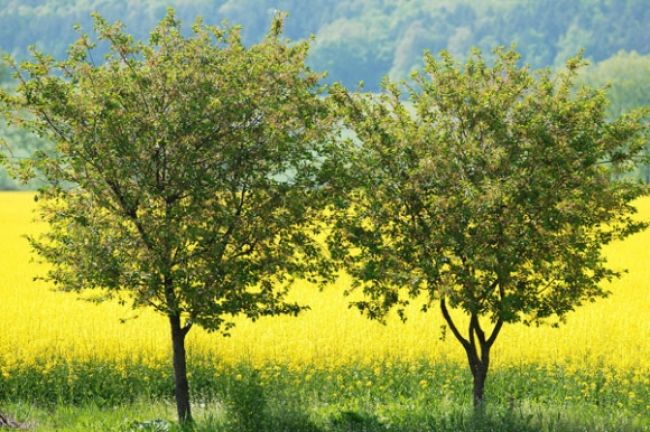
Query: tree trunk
(477, 347)
(182, 390)
(479, 374)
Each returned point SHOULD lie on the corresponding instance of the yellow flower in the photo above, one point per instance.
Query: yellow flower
(331, 335)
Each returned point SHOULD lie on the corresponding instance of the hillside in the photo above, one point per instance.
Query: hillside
(366, 40)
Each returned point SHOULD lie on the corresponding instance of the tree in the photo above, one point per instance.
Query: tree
(4, 74)
(15, 144)
(186, 176)
(4, 178)
(491, 193)
(626, 75)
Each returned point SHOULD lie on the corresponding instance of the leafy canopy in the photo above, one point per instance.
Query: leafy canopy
(492, 191)
(187, 171)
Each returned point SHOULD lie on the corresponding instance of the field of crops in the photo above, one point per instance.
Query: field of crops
(57, 348)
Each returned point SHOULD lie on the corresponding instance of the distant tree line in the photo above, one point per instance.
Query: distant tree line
(366, 40)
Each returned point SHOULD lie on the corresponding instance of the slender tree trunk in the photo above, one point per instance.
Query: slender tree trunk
(479, 369)
(479, 386)
(477, 347)
(180, 370)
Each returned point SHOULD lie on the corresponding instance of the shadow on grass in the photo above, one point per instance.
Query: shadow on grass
(457, 420)
(248, 406)
(249, 411)
(263, 416)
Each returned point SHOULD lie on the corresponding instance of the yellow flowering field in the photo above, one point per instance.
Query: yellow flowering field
(39, 323)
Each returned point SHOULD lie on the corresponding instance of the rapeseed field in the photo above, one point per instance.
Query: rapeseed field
(39, 323)
(329, 367)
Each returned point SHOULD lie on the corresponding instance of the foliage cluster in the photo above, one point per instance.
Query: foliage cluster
(626, 75)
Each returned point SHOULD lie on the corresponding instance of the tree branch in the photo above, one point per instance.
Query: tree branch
(452, 326)
(499, 324)
(231, 228)
(131, 213)
(186, 328)
(125, 60)
(492, 286)
(495, 332)
(474, 323)
(471, 338)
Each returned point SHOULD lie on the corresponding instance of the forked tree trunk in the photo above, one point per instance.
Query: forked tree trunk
(477, 347)
(182, 388)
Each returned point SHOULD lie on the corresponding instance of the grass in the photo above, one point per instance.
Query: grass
(388, 397)
(158, 416)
